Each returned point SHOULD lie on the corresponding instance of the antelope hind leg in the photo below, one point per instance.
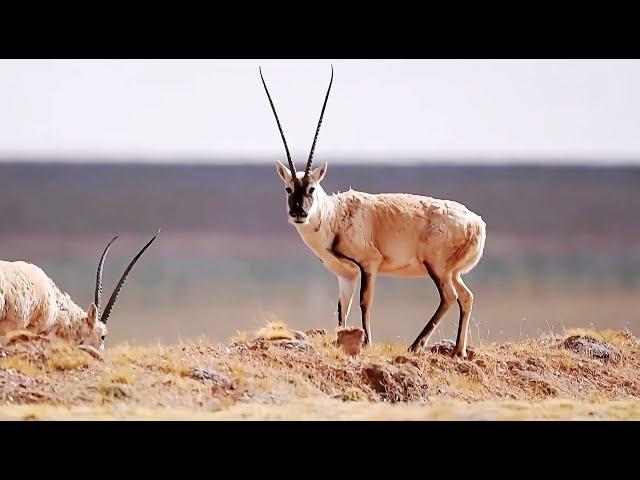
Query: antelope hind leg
(448, 296)
(465, 303)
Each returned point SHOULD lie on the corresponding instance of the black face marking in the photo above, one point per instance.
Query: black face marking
(299, 201)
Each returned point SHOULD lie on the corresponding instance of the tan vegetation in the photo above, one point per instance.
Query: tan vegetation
(278, 373)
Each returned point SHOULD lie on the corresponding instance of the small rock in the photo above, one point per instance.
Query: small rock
(317, 331)
(351, 340)
(299, 344)
(514, 365)
(351, 395)
(203, 374)
(589, 346)
(625, 335)
(444, 347)
(118, 390)
(379, 376)
(447, 347)
(301, 335)
(471, 369)
(220, 381)
(402, 359)
(536, 381)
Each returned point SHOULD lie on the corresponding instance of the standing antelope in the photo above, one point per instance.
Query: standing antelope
(30, 300)
(398, 234)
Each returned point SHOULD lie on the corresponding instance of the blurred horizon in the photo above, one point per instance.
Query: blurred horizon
(562, 246)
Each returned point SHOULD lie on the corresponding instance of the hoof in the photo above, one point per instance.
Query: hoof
(463, 355)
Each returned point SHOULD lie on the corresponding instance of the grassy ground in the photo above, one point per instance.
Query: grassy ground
(276, 374)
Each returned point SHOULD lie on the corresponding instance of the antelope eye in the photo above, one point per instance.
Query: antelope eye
(102, 337)
(311, 190)
(288, 190)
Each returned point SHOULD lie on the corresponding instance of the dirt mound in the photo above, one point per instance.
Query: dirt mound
(400, 382)
(278, 367)
(16, 387)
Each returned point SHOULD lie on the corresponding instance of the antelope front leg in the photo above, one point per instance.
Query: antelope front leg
(367, 286)
(347, 286)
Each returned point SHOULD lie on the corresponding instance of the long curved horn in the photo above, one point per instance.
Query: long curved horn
(315, 139)
(291, 165)
(98, 292)
(116, 291)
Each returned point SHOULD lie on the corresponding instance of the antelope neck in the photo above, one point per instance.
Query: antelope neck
(317, 233)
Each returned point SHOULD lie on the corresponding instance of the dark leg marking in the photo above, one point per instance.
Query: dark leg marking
(335, 252)
(340, 319)
(459, 337)
(437, 316)
(364, 284)
(365, 278)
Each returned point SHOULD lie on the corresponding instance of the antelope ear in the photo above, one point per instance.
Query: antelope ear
(284, 172)
(92, 315)
(317, 174)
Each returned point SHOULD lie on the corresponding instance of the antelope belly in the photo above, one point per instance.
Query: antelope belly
(411, 269)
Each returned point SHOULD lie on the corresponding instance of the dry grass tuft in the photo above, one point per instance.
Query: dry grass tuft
(275, 330)
(240, 337)
(68, 357)
(22, 365)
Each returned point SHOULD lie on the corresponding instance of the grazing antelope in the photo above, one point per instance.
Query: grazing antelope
(30, 300)
(360, 234)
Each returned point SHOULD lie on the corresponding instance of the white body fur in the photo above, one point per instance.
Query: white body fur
(30, 300)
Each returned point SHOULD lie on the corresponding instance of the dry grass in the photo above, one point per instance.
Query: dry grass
(275, 330)
(278, 373)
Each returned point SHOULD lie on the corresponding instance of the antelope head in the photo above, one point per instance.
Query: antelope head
(302, 187)
(94, 334)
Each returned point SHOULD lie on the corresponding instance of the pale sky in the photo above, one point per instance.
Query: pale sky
(474, 110)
